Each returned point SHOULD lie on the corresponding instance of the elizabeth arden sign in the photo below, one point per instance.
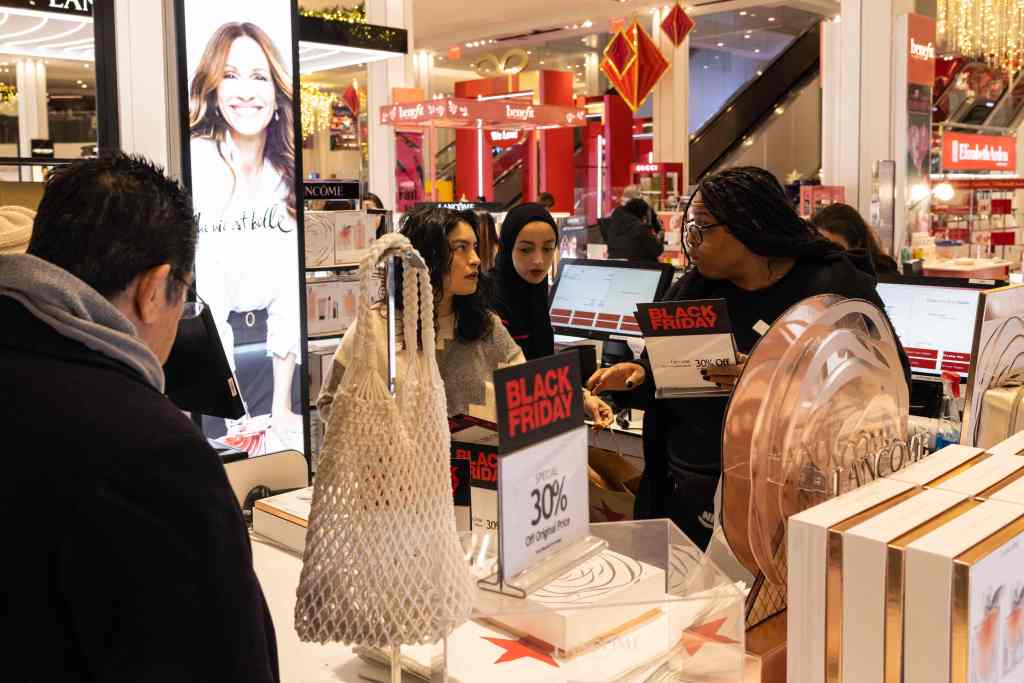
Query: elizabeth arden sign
(963, 152)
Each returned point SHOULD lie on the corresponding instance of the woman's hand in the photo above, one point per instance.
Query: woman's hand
(619, 377)
(598, 411)
(727, 377)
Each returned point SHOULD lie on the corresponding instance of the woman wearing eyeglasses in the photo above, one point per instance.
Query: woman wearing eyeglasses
(747, 245)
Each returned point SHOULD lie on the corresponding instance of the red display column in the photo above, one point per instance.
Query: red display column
(618, 147)
(556, 146)
(467, 171)
(591, 133)
(530, 168)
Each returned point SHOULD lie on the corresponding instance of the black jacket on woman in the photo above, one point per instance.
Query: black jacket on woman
(523, 307)
(630, 238)
(683, 437)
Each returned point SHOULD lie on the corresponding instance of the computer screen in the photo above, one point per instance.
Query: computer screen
(935, 323)
(598, 299)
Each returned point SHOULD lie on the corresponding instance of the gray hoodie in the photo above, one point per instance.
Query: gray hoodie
(77, 311)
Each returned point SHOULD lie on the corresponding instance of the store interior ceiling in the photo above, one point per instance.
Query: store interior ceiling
(560, 36)
(63, 43)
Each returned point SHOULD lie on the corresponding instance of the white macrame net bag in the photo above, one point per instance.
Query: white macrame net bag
(383, 565)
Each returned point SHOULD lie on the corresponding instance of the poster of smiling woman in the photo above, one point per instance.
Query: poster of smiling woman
(241, 143)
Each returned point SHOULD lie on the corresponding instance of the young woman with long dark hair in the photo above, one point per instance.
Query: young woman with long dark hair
(746, 244)
(471, 341)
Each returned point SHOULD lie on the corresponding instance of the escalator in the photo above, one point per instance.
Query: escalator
(720, 137)
(507, 170)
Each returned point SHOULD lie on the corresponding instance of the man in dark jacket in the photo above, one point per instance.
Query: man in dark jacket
(631, 232)
(126, 555)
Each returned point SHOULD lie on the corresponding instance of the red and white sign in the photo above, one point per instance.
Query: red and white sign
(457, 112)
(657, 169)
(963, 152)
(505, 137)
(921, 50)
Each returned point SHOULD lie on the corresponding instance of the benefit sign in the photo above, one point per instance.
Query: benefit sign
(542, 481)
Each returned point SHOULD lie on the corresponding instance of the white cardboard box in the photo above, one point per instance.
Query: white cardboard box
(995, 471)
(1011, 493)
(1012, 446)
(566, 613)
(810, 632)
(331, 305)
(284, 518)
(354, 232)
(944, 463)
(873, 570)
(318, 231)
(958, 582)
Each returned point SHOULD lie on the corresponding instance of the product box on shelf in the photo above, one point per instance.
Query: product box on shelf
(354, 232)
(814, 576)
(552, 617)
(284, 518)
(939, 466)
(319, 360)
(337, 238)
(650, 607)
(331, 305)
(873, 582)
(992, 474)
(318, 233)
(1012, 446)
(963, 595)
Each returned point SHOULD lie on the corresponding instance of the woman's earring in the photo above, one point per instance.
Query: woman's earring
(277, 115)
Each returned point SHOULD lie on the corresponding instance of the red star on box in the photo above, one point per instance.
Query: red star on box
(519, 649)
(633, 64)
(677, 24)
(696, 637)
(609, 514)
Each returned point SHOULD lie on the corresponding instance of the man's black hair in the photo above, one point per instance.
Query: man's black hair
(641, 209)
(108, 220)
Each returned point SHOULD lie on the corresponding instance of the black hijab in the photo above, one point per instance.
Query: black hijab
(523, 307)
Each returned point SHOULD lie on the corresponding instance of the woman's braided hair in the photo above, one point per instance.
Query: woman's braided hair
(750, 201)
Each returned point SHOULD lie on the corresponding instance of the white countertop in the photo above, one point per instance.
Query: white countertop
(278, 571)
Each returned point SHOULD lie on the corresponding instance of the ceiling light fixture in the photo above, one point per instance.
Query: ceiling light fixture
(989, 29)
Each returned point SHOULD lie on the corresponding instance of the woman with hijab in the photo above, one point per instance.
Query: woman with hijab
(747, 245)
(529, 239)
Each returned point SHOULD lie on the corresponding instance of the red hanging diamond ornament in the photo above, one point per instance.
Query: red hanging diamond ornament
(633, 64)
(677, 24)
(620, 52)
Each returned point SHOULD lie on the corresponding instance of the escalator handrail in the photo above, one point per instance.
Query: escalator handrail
(753, 103)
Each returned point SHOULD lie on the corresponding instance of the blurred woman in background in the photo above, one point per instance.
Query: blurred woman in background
(842, 224)
(488, 234)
